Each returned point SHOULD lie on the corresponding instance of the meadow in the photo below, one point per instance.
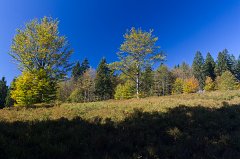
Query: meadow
(205, 125)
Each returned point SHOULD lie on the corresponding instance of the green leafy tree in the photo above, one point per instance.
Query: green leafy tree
(163, 81)
(227, 81)
(209, 84)
(3, 92)
(178, 86)
(147, 81)
(124, 91)
(33, 87)
(137, 51)
(103, 82)
(198, 69)
(39, 46)
(209, 66)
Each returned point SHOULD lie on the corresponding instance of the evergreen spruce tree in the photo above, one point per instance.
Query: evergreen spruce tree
(84, 66)
(76, 71)
(103, 82)
(222, 63)
(198, 70)
(9, 100)
(147, 81)
(209, 66)
(3, 92)
(238, 68)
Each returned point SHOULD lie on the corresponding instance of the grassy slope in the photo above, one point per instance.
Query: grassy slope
(118, 110)
(180, 126)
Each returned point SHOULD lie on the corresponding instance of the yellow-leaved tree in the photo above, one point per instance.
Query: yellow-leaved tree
(40, 52)
(191, 85)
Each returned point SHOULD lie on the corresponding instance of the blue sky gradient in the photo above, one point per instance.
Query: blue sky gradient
(95, 28)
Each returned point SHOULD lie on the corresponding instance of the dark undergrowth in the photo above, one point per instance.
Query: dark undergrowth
(182, 132)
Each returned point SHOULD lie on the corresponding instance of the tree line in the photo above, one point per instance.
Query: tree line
(42, 55)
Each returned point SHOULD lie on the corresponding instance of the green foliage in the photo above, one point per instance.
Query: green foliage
(227, 81)
(39, 46)
(34, 87)
(3, 92)
(198, 69)
(9, 100)
(76, 96)
(137, 51)
(209, 67)
(64, 90)
(103, 82)
(163, 81)
(76, 71)
(124, 91)
(85, 65)
(178, 86)
(209, 84)
(147, 82)
(190, 85)
(222, 63)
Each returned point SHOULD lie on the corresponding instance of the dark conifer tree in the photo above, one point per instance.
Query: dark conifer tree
(103, 82)
(147, 81)
(3, 92)
(209, 66)
(9, 100)
(76, 71)
(198, 70)
(84, 66)
(238, 68)
(222, 63)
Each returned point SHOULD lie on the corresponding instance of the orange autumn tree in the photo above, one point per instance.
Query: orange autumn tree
(191, 85)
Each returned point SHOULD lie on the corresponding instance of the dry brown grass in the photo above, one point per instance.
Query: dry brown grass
(118, 110)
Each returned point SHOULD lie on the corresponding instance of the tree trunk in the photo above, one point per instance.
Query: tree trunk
(137, 86)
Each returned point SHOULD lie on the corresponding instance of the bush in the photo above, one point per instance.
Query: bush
(124, 91)
(227, 81)
(190, 85)
(178, 86)
(209, 84)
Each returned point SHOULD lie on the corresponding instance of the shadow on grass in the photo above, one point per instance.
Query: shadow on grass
(182, 132)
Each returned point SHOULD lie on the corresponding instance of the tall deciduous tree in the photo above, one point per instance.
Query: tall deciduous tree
(138, 50)
(3, 92)
(209, 66)
(103, 82)
(198, 70)
(39, 46)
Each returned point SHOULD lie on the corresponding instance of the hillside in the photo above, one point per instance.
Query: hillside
(179, 126)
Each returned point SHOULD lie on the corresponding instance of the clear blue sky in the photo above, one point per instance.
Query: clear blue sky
(95, 28)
